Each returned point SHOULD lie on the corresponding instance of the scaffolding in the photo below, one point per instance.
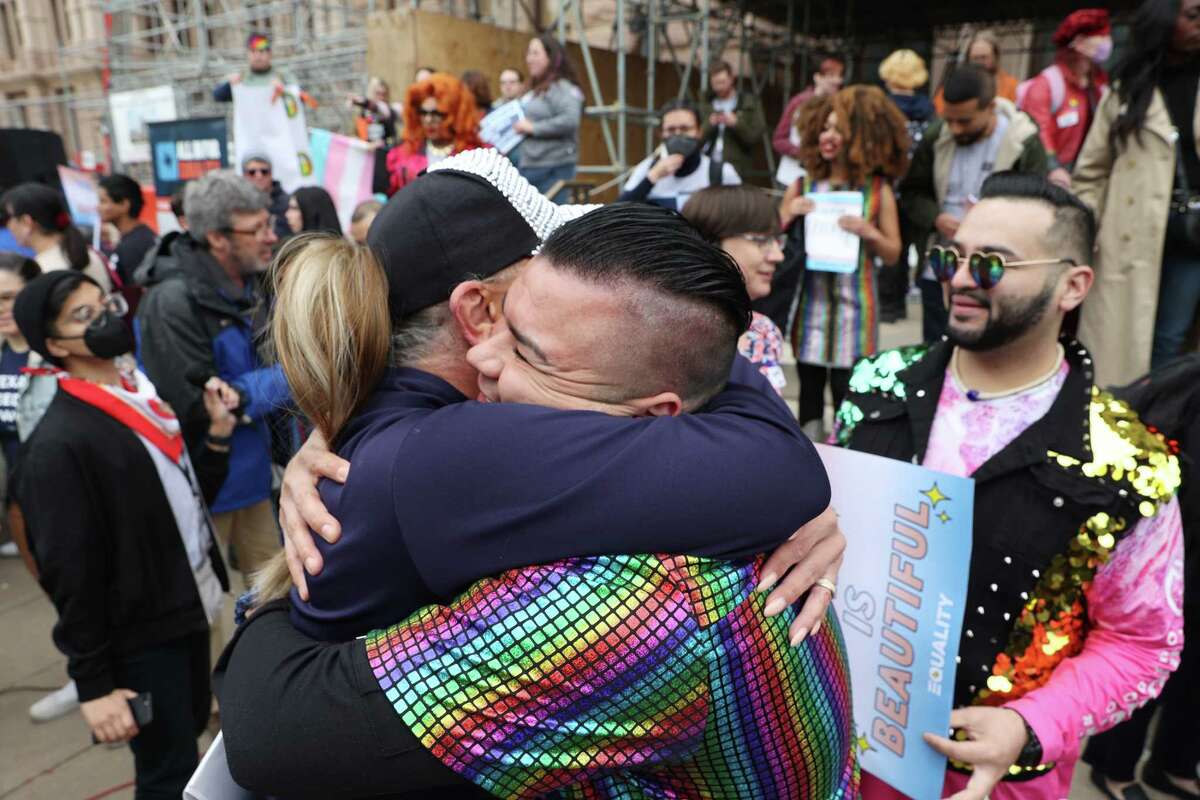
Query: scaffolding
(192, 45)
(687, 36)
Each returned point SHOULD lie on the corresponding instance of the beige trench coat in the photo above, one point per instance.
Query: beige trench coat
(1130, 192)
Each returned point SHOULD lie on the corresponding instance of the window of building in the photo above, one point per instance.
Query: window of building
(16, 112)
(8, 31)
(62, 32)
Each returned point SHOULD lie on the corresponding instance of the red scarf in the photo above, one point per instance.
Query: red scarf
(152, 419)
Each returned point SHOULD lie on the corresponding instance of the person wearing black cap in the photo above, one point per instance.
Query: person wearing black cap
(134, 575)
(595, 483)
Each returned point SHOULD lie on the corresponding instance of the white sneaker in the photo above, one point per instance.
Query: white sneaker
(56, 704)
(9, 550)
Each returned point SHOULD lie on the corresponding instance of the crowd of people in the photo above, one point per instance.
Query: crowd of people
(454, 578)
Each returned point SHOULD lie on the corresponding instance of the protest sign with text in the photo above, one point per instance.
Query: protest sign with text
(828, 247)
(902, 591)
(497, 127)
(270, 121)
(185, 149)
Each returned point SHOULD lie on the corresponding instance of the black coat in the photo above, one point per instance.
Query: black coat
(105, 540)
(1028, 506)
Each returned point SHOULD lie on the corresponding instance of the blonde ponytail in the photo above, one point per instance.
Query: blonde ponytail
(330, 326)
(332, 335)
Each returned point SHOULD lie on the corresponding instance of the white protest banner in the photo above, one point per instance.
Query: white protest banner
(829, 248)
(271, 123)
(345, 166)
(901, 597)
(130, 112)
(497, 127)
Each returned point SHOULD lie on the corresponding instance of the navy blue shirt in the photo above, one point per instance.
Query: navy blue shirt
(443, 491)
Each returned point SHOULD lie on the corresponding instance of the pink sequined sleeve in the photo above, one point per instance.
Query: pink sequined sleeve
(1135, 607)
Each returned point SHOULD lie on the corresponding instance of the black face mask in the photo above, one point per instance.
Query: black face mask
(681, 145)
(107, 336)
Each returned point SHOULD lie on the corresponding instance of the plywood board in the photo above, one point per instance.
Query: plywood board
(400, 41)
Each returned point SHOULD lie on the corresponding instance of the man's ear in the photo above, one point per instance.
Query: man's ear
(475, 311)
(666, 404)
(1078, 283)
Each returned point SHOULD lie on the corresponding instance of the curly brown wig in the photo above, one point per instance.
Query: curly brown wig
(874, 135)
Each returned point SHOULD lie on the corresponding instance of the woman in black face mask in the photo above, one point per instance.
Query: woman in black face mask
(677, 169)
(116, 523)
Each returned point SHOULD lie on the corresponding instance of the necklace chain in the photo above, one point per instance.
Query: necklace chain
(975, 394)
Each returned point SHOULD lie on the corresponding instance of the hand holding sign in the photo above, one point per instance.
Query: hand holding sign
(995, 738)
(903, 588)
(506, 127)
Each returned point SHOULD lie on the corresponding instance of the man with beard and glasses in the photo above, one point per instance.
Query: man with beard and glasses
(677, 169)
(979, 134)
(1073, 604)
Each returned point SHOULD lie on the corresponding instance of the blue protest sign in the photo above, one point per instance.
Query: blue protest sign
(902, 592)
(185, 149)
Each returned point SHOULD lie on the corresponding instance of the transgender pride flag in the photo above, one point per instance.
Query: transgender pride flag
(345, 166)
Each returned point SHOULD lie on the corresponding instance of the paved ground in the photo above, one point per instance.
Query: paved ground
(55, 761)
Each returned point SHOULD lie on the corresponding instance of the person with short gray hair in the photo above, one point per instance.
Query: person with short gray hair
(211, 202)
(199, 317)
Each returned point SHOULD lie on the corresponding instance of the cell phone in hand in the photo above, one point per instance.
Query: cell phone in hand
(142, 708)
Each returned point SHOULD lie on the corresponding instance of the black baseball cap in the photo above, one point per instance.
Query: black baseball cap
(469, 216)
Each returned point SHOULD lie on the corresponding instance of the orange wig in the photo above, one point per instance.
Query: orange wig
(874, 135)
(455, 100)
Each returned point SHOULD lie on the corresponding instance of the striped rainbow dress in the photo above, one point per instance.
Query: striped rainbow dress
(624, 677)
(837, 320)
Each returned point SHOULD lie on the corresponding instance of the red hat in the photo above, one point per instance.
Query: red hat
(1085, 22)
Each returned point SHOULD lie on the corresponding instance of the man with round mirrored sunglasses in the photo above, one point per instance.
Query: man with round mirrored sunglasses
(986, 268)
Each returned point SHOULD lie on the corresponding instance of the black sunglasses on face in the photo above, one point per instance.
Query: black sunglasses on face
(258, 171)
(986, 268)
(433, 113)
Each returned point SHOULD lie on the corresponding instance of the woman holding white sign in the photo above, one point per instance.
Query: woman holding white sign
(854, 144)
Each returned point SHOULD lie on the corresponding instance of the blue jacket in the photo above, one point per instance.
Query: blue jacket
(191, 323)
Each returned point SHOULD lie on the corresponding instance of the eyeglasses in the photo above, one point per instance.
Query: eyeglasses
(764, 242)
(115, 303)
(261, 232)
(252, 171)
(431, 113)
(986, 268)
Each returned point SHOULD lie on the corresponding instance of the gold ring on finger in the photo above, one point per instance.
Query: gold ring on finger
(828, 586)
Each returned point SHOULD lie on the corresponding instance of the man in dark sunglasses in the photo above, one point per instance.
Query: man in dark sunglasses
(256, 168)
(1073, 605)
